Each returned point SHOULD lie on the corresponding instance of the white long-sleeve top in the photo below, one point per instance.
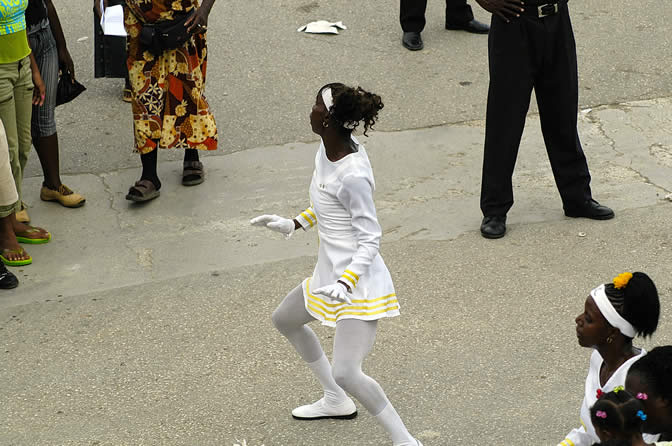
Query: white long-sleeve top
(341, 193)
(585, 435)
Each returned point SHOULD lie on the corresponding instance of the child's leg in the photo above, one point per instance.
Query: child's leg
(290, 318)
(352, 343)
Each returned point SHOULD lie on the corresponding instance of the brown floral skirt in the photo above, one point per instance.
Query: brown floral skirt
(169, 107)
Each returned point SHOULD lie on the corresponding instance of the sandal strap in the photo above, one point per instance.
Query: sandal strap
(31, 230)
(143, 186)
(20, 251)
(194, 165)
(192, 168)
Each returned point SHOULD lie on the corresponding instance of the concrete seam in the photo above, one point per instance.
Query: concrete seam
(594, 119)
(110, 193)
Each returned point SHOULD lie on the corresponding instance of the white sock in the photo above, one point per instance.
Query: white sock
(392, 423)
(333, 394)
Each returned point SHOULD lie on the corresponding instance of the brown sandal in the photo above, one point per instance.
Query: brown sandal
(143, 190)
(193, 173)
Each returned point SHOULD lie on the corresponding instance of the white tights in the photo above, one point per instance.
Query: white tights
(352, 343)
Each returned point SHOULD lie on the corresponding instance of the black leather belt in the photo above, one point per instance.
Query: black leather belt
(543, 9)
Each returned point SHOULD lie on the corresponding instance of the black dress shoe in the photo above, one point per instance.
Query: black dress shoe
(590, 209)
(472, 26)
(412, 41)
(7, 279)
(494, 226)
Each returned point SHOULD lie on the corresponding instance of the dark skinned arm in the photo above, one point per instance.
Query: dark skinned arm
(200, 18)
(503, 8)
(96, 7)
(39, 92)
(64, 59)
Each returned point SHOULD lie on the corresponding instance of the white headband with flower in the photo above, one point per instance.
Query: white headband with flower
(610, 313)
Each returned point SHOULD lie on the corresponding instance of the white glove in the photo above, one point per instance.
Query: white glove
(273, 222)
(336, 291)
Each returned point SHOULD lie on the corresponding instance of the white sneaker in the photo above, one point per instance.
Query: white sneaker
(319, 410)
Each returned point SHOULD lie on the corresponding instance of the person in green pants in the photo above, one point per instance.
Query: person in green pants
(18, 77)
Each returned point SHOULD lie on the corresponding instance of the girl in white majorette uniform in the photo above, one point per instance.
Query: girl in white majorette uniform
(350, 288)
(614, 314)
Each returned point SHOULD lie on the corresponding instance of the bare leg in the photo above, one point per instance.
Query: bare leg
(8, 240)
(47, 151)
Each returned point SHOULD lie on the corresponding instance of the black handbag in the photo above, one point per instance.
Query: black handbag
(68, 88)
(161, 36)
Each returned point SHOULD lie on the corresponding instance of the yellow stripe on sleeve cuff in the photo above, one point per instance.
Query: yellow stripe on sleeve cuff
(355, 276)
(308, 219)
(350, 277)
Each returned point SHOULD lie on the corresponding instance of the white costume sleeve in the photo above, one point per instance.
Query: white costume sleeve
(307, 219)
(578, 437)
(356, 195)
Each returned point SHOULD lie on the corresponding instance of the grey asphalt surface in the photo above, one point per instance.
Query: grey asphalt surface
(263, 75)
(150, 325)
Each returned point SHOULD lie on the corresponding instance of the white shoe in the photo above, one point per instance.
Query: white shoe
(417, 442)
(319, 410)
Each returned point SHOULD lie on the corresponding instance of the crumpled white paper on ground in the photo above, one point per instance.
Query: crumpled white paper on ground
(322, 27)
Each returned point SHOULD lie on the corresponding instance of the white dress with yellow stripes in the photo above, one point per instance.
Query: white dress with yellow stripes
(341, 194)
(585, 435)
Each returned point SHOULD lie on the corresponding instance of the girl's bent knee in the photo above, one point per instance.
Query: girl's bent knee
(344, 376)
(277, 319)
(282, 323)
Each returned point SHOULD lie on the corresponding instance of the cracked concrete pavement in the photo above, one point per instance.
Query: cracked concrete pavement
(148, 325)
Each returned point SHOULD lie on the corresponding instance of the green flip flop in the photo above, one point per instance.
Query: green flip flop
(8, 262)
(33, 241)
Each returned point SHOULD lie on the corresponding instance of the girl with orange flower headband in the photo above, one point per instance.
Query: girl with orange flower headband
(614, 314)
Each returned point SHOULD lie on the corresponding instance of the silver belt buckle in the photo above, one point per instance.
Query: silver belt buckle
(547, 9)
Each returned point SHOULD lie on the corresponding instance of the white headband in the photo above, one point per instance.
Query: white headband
(327, 98)
(329, 103)
(610, 313)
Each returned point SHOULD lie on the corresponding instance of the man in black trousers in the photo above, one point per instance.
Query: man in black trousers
(458, 16)
(531, 45)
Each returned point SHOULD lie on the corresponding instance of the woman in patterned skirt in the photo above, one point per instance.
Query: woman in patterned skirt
(169, 108)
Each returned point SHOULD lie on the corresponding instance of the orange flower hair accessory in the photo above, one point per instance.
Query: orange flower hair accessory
(622, 280)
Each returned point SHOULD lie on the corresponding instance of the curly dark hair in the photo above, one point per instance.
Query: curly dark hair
(637, 302)
(655, 370)
(621, 413)
(353, 106)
